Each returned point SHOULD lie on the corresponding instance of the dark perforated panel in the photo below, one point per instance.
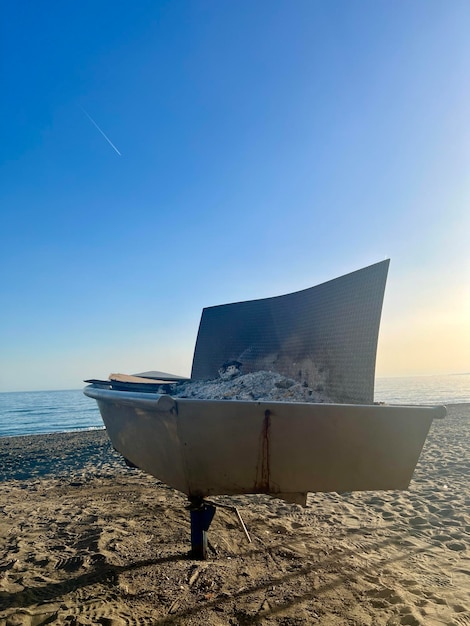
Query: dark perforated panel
(326, 335)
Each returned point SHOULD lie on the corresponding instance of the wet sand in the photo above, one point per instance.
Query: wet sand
(85, 540)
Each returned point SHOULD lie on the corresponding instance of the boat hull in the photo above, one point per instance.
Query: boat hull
(210, 447)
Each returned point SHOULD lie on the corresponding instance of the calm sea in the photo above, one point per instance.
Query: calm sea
(35, 412)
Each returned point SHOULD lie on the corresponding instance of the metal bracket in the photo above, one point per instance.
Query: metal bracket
(202, 513)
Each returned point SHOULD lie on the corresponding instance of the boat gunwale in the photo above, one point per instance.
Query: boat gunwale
(150, 399)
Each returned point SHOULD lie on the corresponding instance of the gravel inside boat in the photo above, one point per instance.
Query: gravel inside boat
(257, 386)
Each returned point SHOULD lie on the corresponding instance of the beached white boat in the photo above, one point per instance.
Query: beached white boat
(209, 447)
(324, 338)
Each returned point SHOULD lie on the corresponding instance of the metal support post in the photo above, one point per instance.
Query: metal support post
(202, 514)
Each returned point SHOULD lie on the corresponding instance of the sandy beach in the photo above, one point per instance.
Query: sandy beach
(85, 540)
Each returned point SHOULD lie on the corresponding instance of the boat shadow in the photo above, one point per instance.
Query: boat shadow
(316, 568)
(106, 573)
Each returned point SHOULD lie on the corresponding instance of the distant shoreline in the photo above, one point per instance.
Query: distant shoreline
(381, 377)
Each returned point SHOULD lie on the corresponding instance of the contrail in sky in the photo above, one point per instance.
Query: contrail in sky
(98, 128)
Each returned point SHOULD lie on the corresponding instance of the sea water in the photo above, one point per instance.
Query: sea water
(36, 412)
(450, 389)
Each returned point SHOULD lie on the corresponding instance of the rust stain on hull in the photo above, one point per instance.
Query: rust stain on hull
(263, 467)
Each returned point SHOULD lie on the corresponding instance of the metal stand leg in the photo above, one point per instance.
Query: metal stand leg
(202, 514)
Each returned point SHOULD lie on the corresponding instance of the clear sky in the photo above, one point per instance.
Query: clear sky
(157, 157)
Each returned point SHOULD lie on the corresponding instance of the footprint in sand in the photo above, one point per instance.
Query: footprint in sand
(418, 522)
(108, 612)
(461, 620)
(456, 546)
(23, 618)
(384, 597)
(410, 620)
(72, 564)
(6, 565)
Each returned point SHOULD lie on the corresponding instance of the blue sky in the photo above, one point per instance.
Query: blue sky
(266, 147)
